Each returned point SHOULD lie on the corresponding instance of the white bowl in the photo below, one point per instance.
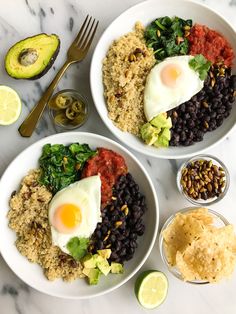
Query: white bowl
(146, 12)
(32, 273)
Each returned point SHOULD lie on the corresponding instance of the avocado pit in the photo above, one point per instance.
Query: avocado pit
(28, 57)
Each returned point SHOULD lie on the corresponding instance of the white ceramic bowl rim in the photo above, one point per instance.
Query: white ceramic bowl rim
(79, 135)
(97, 87)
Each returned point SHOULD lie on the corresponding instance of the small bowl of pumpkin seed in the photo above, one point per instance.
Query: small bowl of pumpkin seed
(203, 180)
(68, 109)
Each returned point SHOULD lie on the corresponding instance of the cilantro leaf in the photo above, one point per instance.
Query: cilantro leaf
(77, 247)
(201, 65)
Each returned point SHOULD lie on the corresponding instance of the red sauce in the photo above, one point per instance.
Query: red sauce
(110, 166)
(211, 44)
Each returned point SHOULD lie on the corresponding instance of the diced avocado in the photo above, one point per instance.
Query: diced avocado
(149, 133)
(86, 271)
(93, 276)
(161, 121)
(97, 258)
(104, 267)
(32, 57)
(89, 261)
(164, 138)
(165, 133)
(117, 268)
(106, 253)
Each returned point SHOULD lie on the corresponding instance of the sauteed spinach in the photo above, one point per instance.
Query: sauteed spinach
(61, 165)
(168, 36)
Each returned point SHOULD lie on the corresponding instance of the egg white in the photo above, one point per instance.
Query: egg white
(86, 194)
(159, 97)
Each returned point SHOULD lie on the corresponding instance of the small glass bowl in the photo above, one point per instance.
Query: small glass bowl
(219, 221)
(77, 96)
(200, 201)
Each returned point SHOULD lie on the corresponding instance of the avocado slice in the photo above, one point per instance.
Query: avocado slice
(164, 138)
(161, 121)
(149, 133)
(105, 253)
(117, 268)
(32, 57)
(93, 276)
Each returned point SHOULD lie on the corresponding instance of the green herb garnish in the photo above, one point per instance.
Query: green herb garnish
(77, 247)
(167, 36)
(201, 65)
(61, 165)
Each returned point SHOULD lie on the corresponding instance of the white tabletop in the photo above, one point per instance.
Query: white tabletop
(19, 19)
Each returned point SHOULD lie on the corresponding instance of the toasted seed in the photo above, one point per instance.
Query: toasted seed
(107, 236)
(191, 191)
(124, 207)
(187, 33)
(205, 104)
(187, 27)
(158, 33)
(132, 57)
(209, 187)
(118, 224)
(206, 125)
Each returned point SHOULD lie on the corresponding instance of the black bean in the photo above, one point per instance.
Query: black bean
(104, 229)
(112, 238)
(98, 234)
(133, 244)
(122, 238)
(100, 245)
(113, 256)
(122, 252)
(133, 236)
(141, 230)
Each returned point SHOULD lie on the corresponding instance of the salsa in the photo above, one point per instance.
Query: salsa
(110, 166)
(211, 44)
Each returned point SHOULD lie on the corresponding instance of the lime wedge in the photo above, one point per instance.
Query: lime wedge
(151, 288)
(10, 105)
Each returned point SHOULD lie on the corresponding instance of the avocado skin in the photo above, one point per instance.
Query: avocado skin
(46, 69)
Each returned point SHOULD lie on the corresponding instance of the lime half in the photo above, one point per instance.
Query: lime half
(10, 105)
(151, 288)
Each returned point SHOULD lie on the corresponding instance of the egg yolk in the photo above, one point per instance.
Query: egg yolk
(66, 218)
(170, 74)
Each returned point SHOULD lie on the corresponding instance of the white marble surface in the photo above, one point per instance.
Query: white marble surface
(19, 19)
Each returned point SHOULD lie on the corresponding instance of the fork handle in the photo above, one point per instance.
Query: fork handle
(27, 127)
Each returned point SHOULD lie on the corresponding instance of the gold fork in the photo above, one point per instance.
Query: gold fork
(77, 52)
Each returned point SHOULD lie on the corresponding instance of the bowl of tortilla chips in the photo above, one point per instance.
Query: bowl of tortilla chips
(198, 246)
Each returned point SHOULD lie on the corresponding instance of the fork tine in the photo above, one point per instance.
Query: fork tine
(85, 38)
(89, 40)
(77, 38)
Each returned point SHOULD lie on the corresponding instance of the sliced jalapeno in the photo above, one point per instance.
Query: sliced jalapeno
(60, 118)
(63, 101)
(77, 106)
(70, 113)
(78, 119)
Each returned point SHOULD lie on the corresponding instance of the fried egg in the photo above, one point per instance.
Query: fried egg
(169, 84)
(75, 211)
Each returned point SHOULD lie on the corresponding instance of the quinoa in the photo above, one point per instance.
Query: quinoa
(125, 69)
(28, 217)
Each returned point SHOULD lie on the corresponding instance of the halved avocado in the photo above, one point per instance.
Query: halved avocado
(32, 57)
